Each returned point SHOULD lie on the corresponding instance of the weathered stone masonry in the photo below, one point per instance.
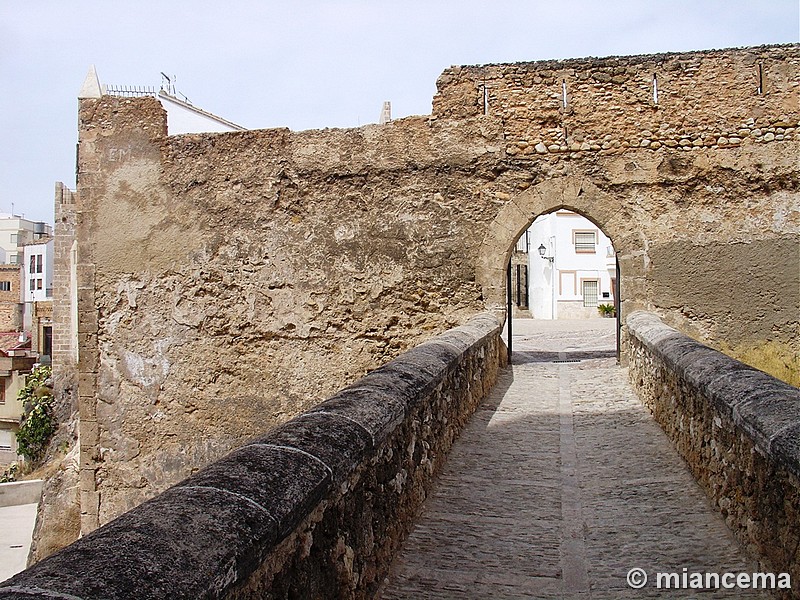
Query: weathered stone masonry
(738, 430)
(229, 281)
(317, 508)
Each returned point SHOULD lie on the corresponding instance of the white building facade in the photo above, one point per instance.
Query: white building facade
(15, 232)
(571, 266)
(37, 269)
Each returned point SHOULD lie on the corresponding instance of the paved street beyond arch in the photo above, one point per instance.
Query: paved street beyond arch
(560, 485)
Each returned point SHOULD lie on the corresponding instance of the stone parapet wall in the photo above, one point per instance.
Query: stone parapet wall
(687, 101)
(736, 427)
(315, 508)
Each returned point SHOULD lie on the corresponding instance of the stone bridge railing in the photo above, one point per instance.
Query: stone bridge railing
(316, 508)
(737, 428)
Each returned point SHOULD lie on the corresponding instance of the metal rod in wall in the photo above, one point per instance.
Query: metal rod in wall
(509, 302)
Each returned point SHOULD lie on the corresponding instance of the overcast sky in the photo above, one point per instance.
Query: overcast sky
(309, 64)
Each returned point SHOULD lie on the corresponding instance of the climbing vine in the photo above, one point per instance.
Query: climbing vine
(38, 423)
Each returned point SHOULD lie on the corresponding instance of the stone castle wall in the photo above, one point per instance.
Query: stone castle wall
(714, 99)
(226, 282)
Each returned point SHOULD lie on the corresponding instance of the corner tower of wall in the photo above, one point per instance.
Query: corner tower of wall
(113, 132)
(65, 331)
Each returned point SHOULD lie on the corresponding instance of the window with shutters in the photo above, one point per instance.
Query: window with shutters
(590, 288)
(585, 241)
(522, 242)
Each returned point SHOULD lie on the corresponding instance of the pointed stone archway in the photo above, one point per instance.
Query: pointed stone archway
(575, 193)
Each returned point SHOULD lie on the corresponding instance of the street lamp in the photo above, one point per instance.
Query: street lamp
(543, 251)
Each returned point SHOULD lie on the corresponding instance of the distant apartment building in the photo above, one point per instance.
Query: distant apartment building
(563, 267)
(15, 364)
(37, 296)
(11, 308)
(15, 232)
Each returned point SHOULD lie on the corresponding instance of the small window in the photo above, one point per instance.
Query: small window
(33, 263)
(32, 284)
(590, 293)
(585, 242)
(38, 263)
(522, 242)
(38, 284)
(14, 238)
(5, 286)
(13, 259)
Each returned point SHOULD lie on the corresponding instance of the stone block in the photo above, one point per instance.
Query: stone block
(87, 407)
(89, 432)
(376, 409)
(285, 483)
(90, 502)
(86, 298)
(785, 447)
(86, 273)
(186, 543)
(87, 480)
(87, 383)
(768, 410)
(88, 456)
(87, 321)
(334, 438)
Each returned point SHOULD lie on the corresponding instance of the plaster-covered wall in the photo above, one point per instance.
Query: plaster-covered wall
(226, 282)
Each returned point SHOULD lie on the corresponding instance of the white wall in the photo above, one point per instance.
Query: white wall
(45, 276)
(182, 119)
(556, 287)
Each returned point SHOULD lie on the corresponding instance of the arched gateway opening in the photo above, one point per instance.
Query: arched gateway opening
(562, 268)
(502, 280)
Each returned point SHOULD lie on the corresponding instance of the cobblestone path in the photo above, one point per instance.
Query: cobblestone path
(560, 484)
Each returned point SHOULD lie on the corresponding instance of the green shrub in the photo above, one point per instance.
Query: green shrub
(10, 474)
(607, 310)
(38, 423)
